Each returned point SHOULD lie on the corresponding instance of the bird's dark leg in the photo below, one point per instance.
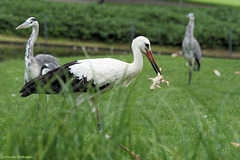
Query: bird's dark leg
(66, 117)
(93, 103)
(47, 104)
(39, 107)
(79, 102)
(46, 108)
(190, 71)
(98, 120)
(190, 75)
(127, 150)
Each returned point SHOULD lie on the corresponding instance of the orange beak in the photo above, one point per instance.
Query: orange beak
(152, 60)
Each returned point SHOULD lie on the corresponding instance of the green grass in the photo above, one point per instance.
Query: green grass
(218, 2)
(175, 122)
(233, 3)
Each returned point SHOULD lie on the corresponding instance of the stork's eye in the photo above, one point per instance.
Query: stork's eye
(31, 22)
(147, 45)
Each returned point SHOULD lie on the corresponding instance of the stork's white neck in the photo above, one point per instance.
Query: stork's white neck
(134, 68)
(137, 63)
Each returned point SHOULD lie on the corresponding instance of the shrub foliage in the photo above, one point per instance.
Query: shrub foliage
(112, 23)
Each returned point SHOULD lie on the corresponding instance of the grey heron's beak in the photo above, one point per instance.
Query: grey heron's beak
(24, 25)
(152, 60)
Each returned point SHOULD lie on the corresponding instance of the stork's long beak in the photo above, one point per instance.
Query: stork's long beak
(152, 60)
(24, 25)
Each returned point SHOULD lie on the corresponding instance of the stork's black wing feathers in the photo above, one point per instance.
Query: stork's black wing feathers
(53, 79)
(59, 80)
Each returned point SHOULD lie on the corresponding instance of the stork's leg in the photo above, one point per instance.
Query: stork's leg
(79, 102)
(93, 103)
(131, 153)
(39, 107)
(66, 117)
(46, 107)
(98, 120)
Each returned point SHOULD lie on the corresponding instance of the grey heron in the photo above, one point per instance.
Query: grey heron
(191, 48)
(93, 75)
(41, 63)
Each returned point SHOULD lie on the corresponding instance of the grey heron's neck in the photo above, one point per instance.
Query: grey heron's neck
(190, 28)
(30, 44)
(29, 57)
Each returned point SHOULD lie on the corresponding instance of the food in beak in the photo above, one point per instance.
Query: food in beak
(156, 81)
(159, 78)
(151, 59)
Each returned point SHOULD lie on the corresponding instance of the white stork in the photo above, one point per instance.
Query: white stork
(93, 75)
(41, 63)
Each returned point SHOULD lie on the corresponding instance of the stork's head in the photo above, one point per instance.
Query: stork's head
(144, 45)
(30, 22)
(190, 16)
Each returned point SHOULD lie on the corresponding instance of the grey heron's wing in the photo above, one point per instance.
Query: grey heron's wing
(184, 46)
(198, 53)
(43, 59)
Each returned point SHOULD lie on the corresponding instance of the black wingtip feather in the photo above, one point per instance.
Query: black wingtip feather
(31, 87)
(51, 83)
(198, 65)
(28, 89)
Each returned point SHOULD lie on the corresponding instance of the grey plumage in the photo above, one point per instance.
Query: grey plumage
(43, 59)
(40, 64)
(33, 64)
(191, 48)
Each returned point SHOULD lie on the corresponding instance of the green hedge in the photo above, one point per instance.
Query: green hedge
(112, 22)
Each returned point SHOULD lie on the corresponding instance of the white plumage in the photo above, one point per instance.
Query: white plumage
(105, 70)
(102, 74)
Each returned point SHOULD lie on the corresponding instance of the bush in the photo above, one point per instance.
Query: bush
(112, 23)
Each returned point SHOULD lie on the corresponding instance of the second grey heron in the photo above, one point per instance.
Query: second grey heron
(191, 48)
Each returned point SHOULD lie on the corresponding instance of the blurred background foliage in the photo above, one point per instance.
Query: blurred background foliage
(176, 122)
(164, 25)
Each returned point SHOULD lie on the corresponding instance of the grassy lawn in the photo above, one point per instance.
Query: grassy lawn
(65, 41)
(175, 122)
(218, 2)
(213, 2)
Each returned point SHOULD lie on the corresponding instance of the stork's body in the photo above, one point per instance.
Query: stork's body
(93, 74)
(191, 48)
(40, 64)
